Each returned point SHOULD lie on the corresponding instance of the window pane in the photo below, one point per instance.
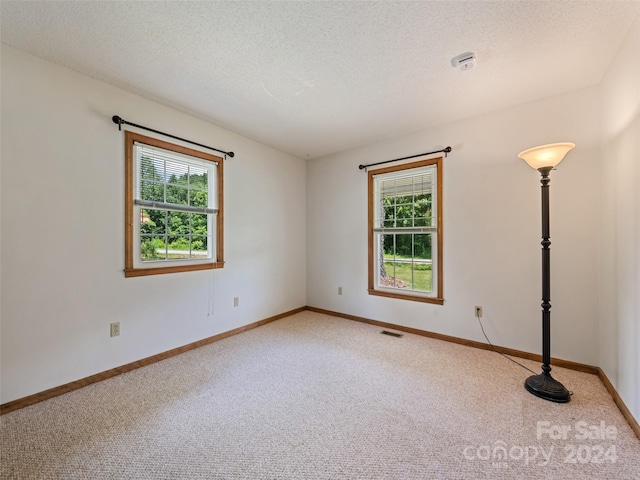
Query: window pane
(198, 177)
(422, 210)
(392, 272)
(422, 262)
(422, 246)
(151, 169)
(178, 223)
(198, 198)
(179, 246)
(199, 223)
(404, 212)
(422, 276)
(388, 213)
(188, 235)
(153, 222)
(387, 274)
(152, 247)
(406, 262)
(404, 245)
(387, 188)
(422, 184)
(387, 245)
(152, 191)
(176, 173)
(177, 194)
(199, 244)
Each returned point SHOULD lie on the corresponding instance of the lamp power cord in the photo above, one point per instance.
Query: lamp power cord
(493, 348)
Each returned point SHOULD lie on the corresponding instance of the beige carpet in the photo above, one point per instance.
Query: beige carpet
(317, 397)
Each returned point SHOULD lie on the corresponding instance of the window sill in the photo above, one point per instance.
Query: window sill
(401, 296)
(141, 272)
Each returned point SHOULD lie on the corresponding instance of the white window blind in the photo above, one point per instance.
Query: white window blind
(156, 167)
(405, 202)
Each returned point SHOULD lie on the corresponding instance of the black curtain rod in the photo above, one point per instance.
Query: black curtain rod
(120, 121)
(445, 150)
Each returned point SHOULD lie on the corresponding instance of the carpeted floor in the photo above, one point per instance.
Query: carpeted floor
(317, 397)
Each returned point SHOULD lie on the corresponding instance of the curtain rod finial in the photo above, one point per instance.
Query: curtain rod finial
(231, 154)
(118, 121)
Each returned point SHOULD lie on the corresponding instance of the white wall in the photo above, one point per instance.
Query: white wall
(491, 229)
(63, 233)
(620, 274)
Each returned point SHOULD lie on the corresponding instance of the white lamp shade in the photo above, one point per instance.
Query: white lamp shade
(546, 156)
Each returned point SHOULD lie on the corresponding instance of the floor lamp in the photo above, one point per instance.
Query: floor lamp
(544, 159)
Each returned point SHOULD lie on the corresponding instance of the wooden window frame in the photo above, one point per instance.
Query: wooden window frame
(130, 270)
(438, 298)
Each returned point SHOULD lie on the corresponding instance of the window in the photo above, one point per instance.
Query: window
(405, 231)
(174, 201)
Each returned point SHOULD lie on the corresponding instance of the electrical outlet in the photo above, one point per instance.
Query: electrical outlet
(339, 290)
(236, 301)
(115, 329)
(478, 311)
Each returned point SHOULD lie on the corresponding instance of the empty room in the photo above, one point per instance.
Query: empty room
(320, 240)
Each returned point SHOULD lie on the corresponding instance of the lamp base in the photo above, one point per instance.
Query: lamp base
(545, 386)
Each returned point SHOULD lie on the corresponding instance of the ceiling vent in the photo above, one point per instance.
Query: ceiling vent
(464, 61)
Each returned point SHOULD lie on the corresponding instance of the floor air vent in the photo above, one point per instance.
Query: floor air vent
(391, 334)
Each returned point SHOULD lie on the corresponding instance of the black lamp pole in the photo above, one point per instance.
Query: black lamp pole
(544, 385)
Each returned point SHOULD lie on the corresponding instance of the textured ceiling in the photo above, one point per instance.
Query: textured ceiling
(312, 78)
